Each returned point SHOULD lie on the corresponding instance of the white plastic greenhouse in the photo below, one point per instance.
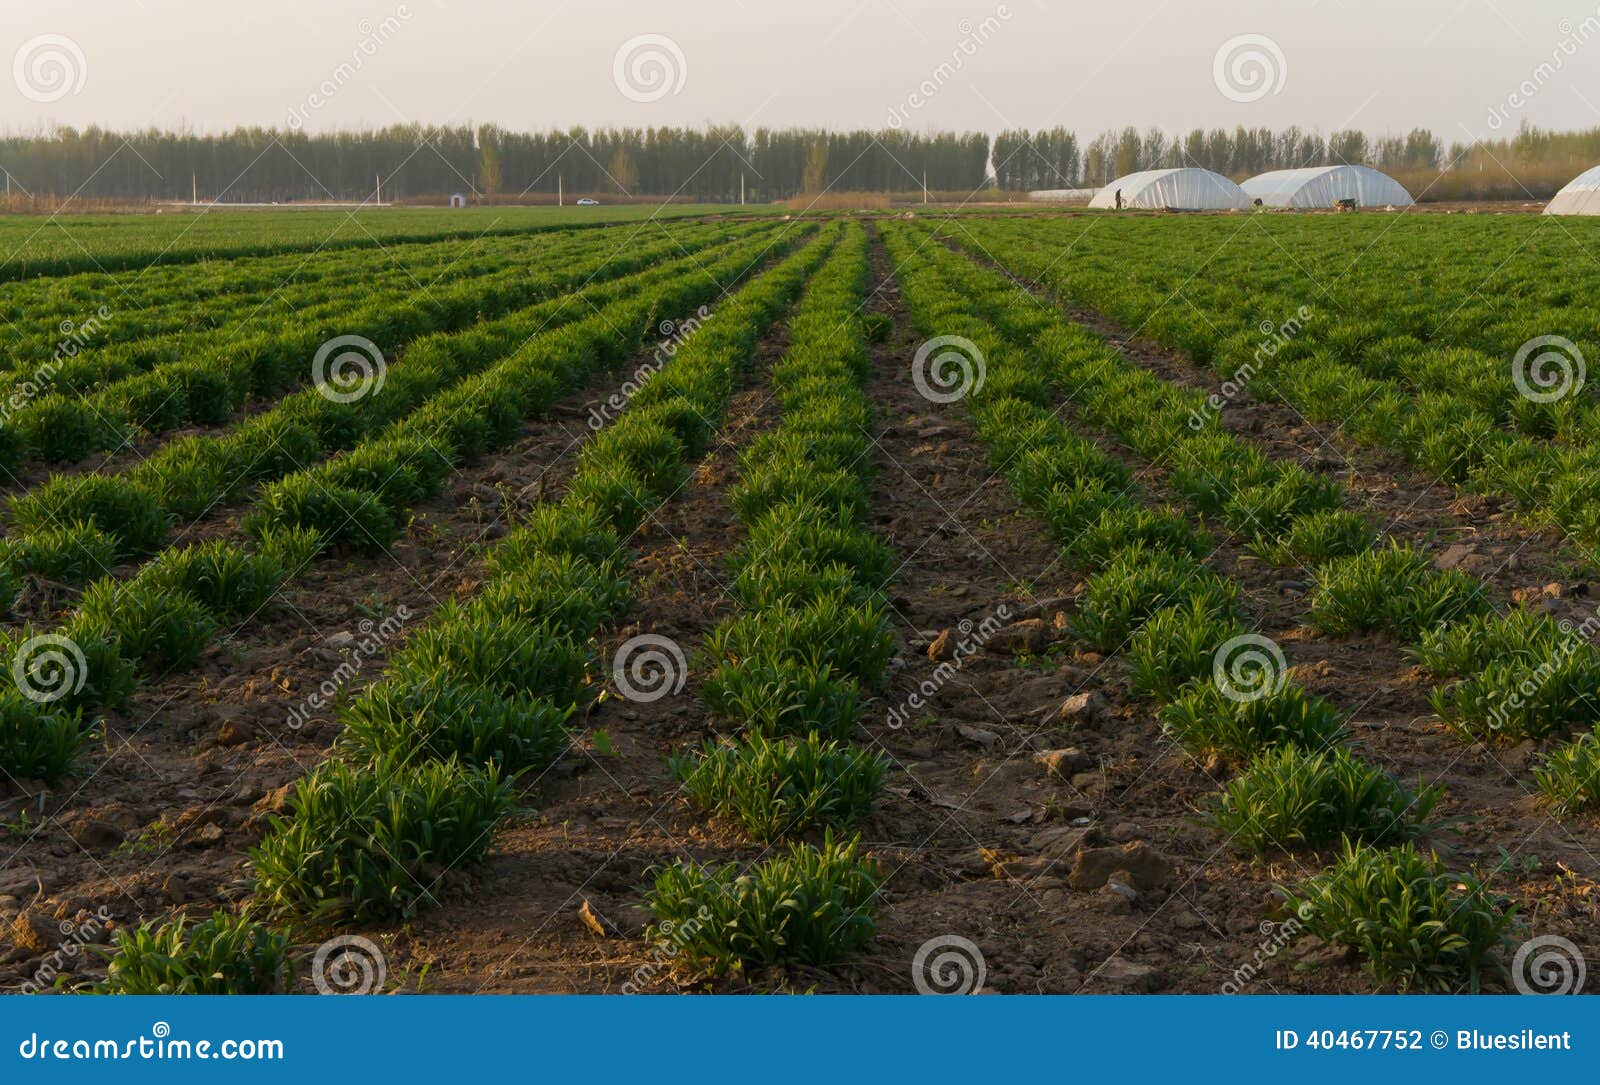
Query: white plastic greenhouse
(1174, 189)
(1325, 186)
(1580, 197)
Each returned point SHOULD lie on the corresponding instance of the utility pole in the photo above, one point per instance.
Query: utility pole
(561, 193)
(741, 190)
(194, 189)
(924, 186)
(379, 177)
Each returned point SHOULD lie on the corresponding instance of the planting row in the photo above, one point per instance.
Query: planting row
(790, 672)
(485, 693)
(1179, 625)
(74, 528)
(150, 625)
(1507, 677)
(162, 385)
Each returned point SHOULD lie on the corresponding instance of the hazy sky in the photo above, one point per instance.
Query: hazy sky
(1450, 65)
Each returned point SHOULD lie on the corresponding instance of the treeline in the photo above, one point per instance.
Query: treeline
(1053, 158)
(263, 165)
(714, 164)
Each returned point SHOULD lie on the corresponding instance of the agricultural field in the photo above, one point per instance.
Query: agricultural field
(67, 244)
(521, 601)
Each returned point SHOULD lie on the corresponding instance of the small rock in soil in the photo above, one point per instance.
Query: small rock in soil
(1030, 635)
(1128, 976)
(979, 737)
(1148, 868)
(1080, 708)
(1064, 762)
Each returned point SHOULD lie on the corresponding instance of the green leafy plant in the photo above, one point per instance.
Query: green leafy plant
(1290, 798)
(1414, 923)
(221, 955)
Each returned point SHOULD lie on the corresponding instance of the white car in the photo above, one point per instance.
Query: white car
(587, 202)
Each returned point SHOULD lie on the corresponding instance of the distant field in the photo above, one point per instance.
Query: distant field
(33, 245)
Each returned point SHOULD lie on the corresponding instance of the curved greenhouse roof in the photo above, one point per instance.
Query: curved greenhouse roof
(1580, 197)
(1177, 189)
(1325, 186)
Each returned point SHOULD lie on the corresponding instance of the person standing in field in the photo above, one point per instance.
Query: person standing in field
(1119, 199)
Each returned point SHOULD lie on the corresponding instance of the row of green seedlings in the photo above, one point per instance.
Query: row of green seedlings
(72, 529)
(145, 243)
(480, 698)
(165, 386)
(1450, 412)
(152, 311)
(1506, 677)
(151, 625)
(1150, 596)
(790, 671)
(1369, 321)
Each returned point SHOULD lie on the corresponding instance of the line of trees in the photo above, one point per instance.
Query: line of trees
(1052, 159)
(706, 164)
(717, 163)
